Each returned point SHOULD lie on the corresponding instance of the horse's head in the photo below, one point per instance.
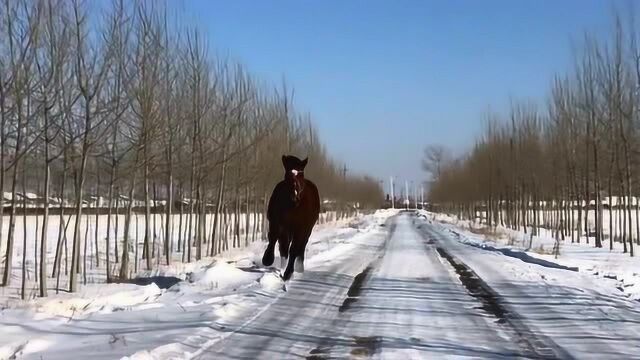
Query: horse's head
(294, 175)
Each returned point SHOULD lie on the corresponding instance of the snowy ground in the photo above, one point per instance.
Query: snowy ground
(611, 267)
(584, 312)
(170, 312)
(384, 286)
(94, 230)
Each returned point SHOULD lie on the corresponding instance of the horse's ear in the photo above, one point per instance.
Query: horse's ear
(284, 161)
(304, 162)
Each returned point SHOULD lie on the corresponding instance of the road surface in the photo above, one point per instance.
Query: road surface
(403, 295)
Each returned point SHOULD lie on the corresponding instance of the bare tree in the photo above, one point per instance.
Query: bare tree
(90, 69)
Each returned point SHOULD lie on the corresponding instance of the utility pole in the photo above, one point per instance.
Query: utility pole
(393, 205)
(344, 178)
(413, 193)
(406, 192)
(422, 197)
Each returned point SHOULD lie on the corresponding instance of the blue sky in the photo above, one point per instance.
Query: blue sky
(382, 79)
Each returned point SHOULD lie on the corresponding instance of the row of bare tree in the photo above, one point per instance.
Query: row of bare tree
(122, 104)
(576, 158)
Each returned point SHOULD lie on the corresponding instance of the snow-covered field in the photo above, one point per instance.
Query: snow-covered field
(29, 232)
(613, 222)
(610, 267)
(169, 312)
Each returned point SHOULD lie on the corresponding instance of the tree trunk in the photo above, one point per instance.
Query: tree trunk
(45, 224)
(3, 138)
(188, 240)
(236, 222)
(6, 279)
(86, 245)
(247, 218)
(624, 223)
(124, 264)
(180, 221)
(97, 224)
(201, 219)
(108, 235)
(611, 206)
(220, 199)
(24, 237)
(75, 256)
(596, 183)
(116, 230)
(146, 252)
(168, 236)
(136, 245)
(226, 228)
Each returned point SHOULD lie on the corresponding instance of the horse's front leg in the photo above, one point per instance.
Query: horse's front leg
(293, 253)
(299, 264)
(284, 243)
(267, 258)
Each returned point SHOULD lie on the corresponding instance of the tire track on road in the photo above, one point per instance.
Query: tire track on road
(534, 345)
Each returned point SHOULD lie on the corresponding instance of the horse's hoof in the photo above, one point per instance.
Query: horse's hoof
(283, 262)
(299, 266)
(287, 275)
(267, 260)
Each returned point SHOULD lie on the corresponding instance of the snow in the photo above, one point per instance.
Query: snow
(291, 321)
(167, 313)
(96, 298)
(391, 296)
(412, 298)
(96, 272)
(374, 286)
(271, 282)
(585, 314)
(611, 268)
(222, 276)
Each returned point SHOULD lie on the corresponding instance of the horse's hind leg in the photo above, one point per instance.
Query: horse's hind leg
(267, 258)
(299, 264)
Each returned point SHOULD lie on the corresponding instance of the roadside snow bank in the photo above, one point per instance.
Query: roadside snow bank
(93, 299)
(271, 282)
(222, 276)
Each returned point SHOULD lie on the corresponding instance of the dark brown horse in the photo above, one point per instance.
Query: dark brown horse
(294, 208)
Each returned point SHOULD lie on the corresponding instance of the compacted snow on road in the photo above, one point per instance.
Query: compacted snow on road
(391, 285)
(392, 297)
(576, 314)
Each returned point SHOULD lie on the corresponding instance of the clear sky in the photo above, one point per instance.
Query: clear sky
(382, 79)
